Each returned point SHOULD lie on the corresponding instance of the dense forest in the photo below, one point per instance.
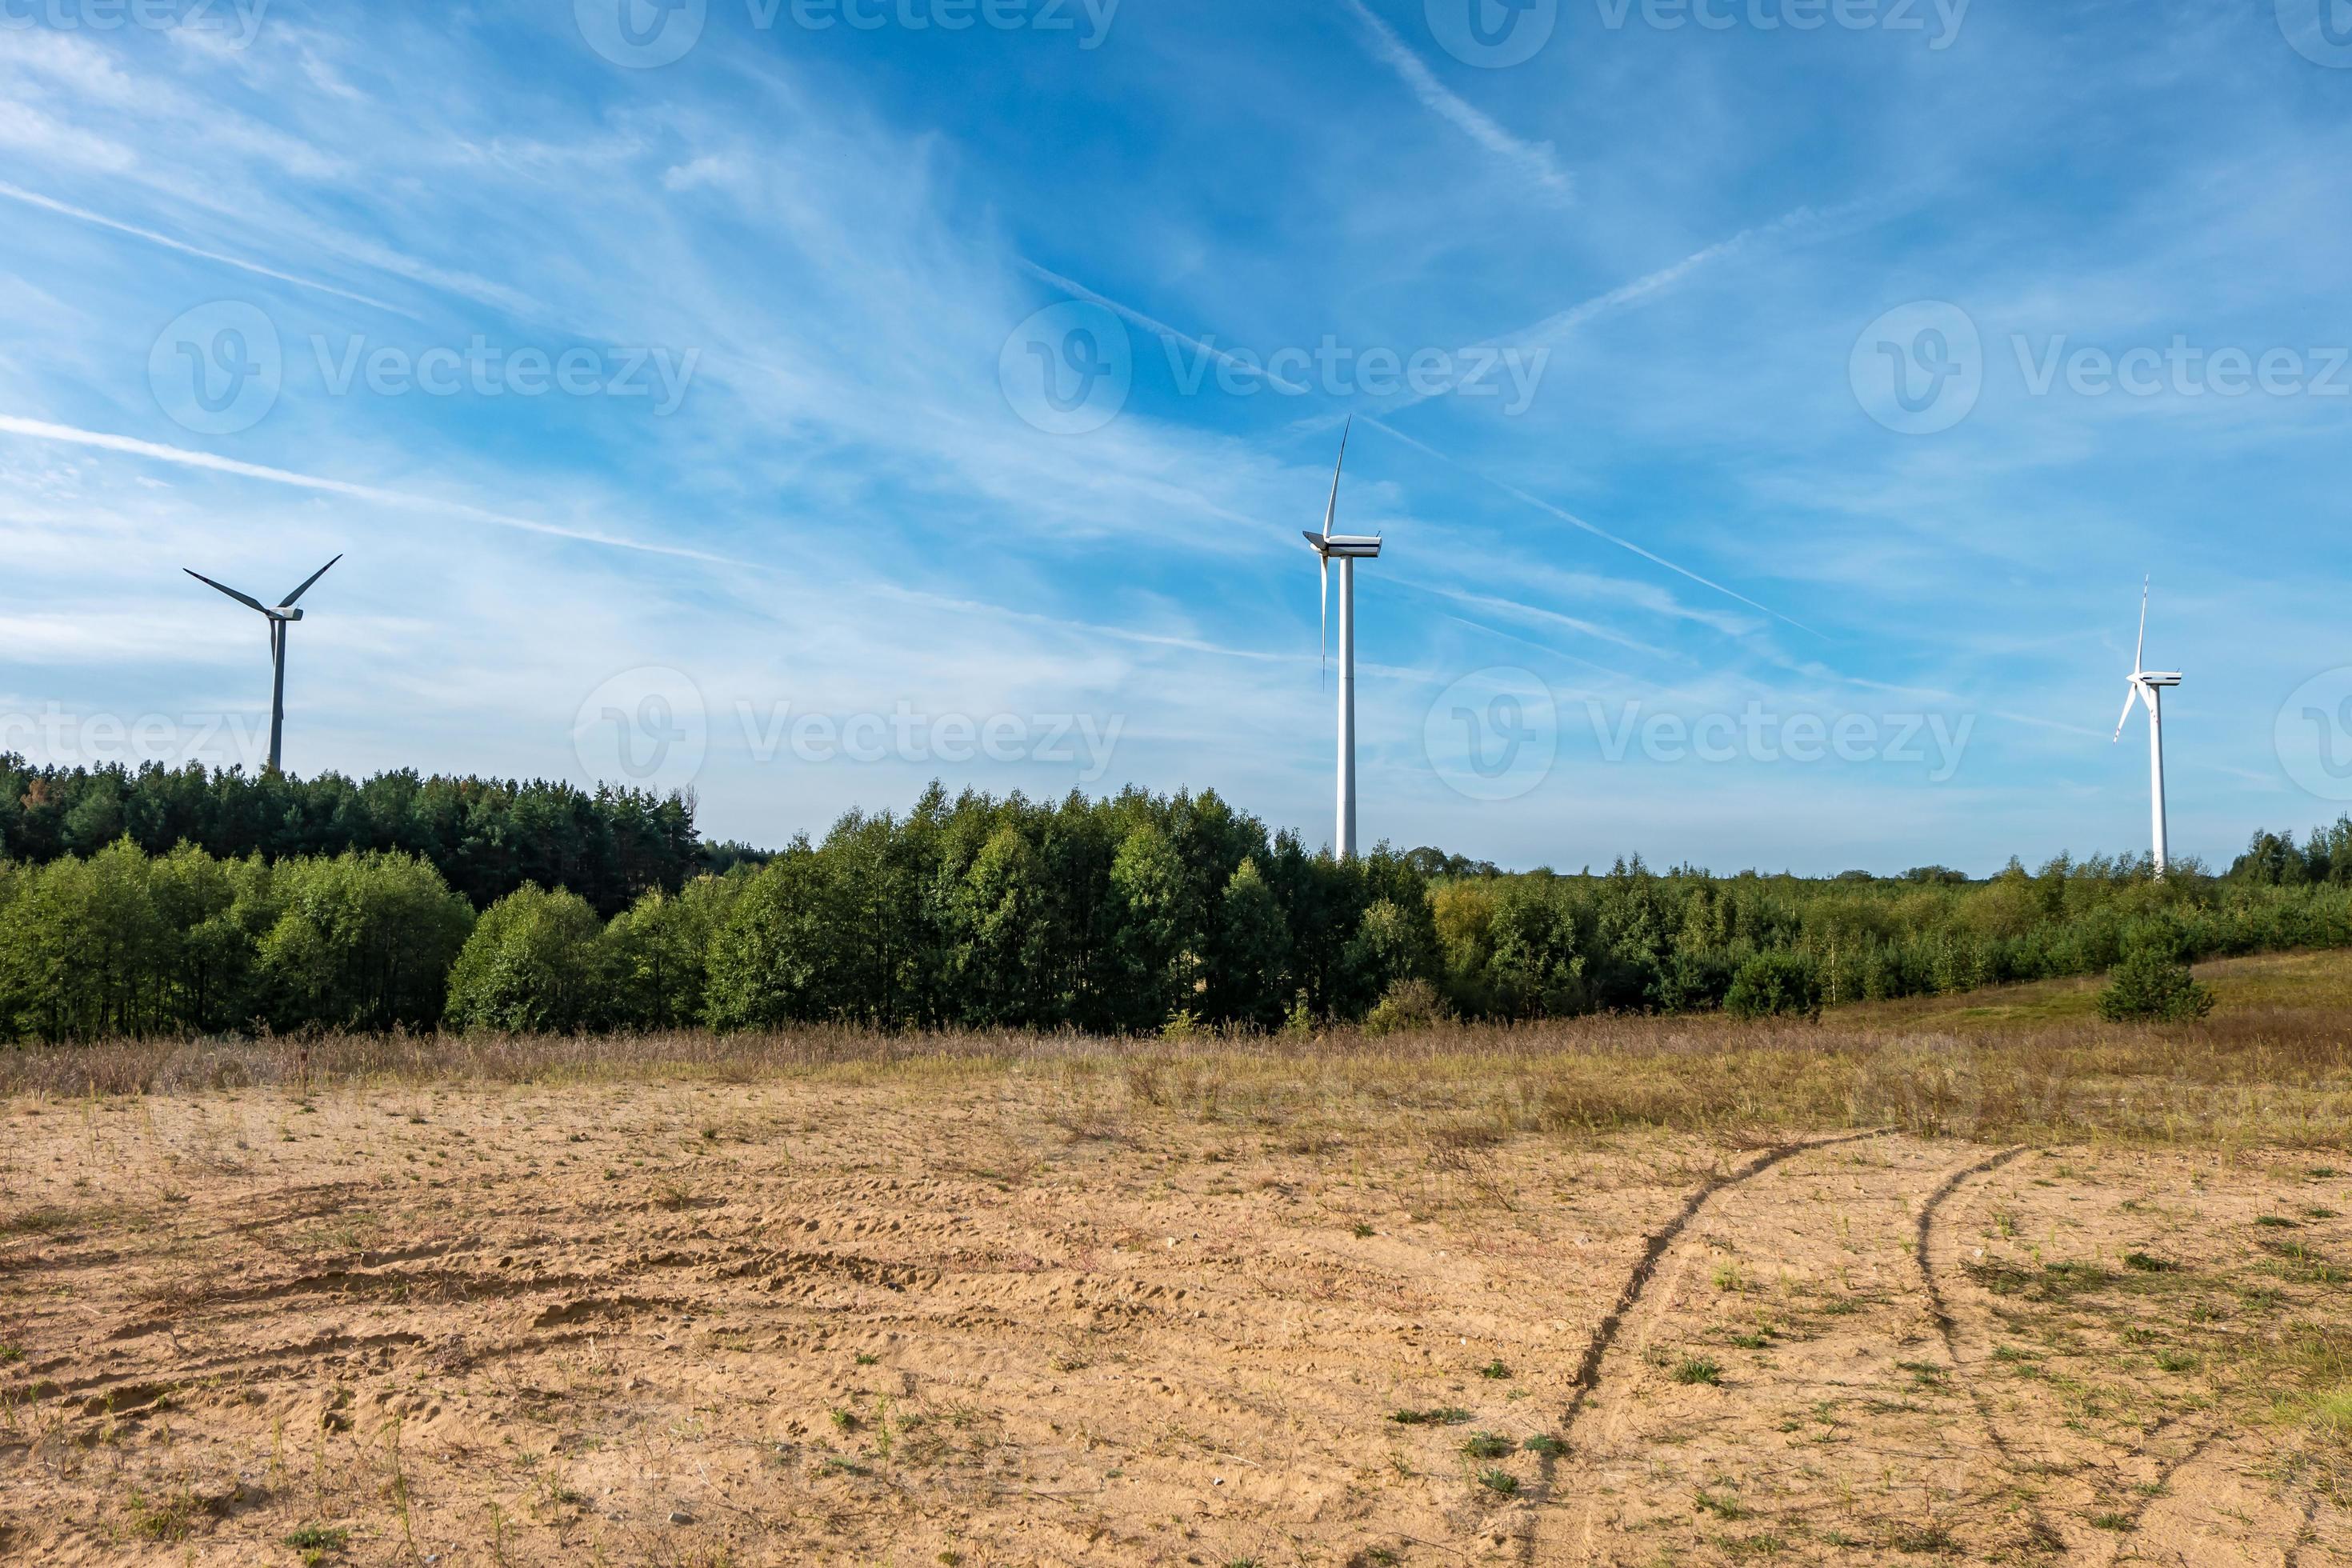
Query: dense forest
(180, 902)
(484, 836)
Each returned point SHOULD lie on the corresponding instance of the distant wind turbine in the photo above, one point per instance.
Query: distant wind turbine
(1347, 550)
(2148, 685)
(283, 616)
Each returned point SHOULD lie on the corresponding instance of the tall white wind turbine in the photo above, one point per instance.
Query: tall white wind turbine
(1347, 550)
(2148, 685)
(280, 617)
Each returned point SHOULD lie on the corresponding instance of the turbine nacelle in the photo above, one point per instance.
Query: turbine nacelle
(1343, 546)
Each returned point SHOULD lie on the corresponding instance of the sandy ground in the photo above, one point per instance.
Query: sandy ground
(980, 1317)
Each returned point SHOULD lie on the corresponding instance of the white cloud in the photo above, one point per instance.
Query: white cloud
(1534, 161)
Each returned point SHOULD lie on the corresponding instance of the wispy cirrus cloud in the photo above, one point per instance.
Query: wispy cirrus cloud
(847, 514)
(1536, 162)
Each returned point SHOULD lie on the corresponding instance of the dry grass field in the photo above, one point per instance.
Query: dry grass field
(1982, 1279)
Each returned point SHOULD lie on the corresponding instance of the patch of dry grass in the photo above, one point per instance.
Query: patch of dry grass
(2272, 1066)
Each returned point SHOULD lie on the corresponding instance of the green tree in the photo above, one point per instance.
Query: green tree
(209, 962)
(1004, 928)
(1248, 975)
(657, 952)
(1389, 946)
(772, 962)
(83, 952)
(1150, 925)
(1775, 984)
(361, 942)
(2153, 986)
(535, 964)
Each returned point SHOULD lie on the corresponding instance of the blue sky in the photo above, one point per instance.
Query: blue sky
(1617, 298)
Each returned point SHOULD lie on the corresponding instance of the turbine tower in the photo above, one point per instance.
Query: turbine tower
(2148, 685)
(283, 616)
(1347, 550)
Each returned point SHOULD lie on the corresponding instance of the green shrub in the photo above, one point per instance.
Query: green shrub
(2152, 987)
(1774, 985)
(360, 942)
(1406, 1006)
(535, 963)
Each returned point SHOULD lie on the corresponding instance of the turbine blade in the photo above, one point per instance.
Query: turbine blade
(245, 599)
(1331, 512)
(287, 602)
(2131, 694)
(2139, 654)
(1323, 641)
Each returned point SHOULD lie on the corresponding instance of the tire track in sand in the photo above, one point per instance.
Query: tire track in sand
(1939, 1307)
(1655, 1248)
(2117, 1542)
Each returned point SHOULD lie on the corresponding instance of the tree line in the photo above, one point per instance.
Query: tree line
(1132, 915)
(485, 837)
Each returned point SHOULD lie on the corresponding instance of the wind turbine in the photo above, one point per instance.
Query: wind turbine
(2148, 685)
(283, 616)
(1347, 550)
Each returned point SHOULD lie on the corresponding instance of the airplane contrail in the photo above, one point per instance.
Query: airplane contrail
(1171, 334)
(17, 193)
(41, 430)
(1597, 531)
